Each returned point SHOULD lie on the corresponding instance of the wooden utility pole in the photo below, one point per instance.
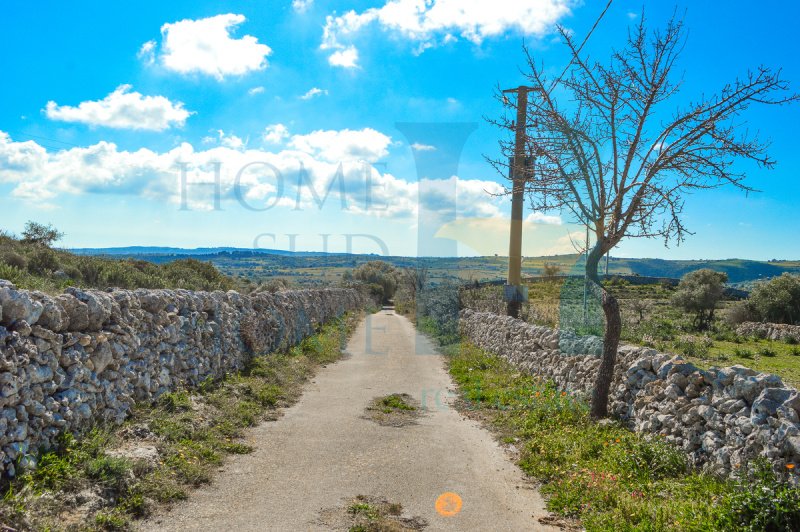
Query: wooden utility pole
(514, 292)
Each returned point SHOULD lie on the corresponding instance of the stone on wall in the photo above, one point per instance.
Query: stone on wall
(721, 417)
(86, 356)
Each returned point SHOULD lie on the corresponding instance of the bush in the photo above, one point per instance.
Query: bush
(778, 300)
(699, 292)
(14, 259)
(379, 273)
(740, 312)
(43, 261)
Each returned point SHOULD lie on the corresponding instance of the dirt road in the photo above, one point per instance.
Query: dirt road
(324, 452)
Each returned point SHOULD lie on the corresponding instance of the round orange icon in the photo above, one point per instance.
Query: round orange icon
(448, 504)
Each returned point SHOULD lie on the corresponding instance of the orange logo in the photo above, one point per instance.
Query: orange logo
(448, 504)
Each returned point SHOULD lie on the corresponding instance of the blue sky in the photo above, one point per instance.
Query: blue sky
(103, 104)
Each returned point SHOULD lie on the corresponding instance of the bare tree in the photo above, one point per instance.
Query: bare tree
(609, 149)
(550, 270)
(415, 279)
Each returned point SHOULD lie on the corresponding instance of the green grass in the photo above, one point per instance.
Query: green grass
(603, 474)
(394, 402)
(194, 430)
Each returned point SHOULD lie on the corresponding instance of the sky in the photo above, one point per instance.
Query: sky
(358, 126)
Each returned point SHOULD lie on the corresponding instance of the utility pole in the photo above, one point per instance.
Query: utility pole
(515, 293)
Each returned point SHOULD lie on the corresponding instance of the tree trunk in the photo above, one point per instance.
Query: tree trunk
(605, 373)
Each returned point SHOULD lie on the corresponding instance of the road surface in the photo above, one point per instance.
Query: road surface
(324, 452)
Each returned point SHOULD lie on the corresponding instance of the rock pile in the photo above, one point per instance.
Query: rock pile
(721, 417)
(82, 357)
(772, 331)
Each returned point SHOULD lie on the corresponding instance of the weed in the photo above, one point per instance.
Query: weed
(395, 402)
(767, 352)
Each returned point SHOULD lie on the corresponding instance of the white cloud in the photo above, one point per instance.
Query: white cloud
(632, 15)
(345, 58)
(301, 6)
(223, 139)
(541, 218)
(205, 46)
(147, 52)
(255, 90)
(123, 109)
(313, 93)
(276, 133)
(343, 145)
(38, 176)
(422, 147)
(430, 22)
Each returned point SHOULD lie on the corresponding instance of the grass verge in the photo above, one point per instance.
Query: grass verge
(603, 476)
(112, 476)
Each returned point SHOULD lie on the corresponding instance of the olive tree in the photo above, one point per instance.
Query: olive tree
(40, 234)
(777, 300)
(699, 293)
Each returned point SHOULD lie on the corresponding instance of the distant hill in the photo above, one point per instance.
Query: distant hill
(309, 268)
(138, 251)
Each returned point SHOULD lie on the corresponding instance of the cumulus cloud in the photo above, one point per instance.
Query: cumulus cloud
(255, 90)
(313, 93)
(345, 58)
(343, 145)
(147, 52)
(428, 23)
(206, 46)
(256, 178)
(276, 133)
(123, 109)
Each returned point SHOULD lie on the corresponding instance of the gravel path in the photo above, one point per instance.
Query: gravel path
(324, 452)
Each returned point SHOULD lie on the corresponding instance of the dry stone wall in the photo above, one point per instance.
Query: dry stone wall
(721, 417)
(772, 331)
(82, 357)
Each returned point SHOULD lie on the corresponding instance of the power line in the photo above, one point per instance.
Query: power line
(585, 39)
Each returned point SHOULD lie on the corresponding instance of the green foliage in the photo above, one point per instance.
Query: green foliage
(764, 502)
(394, 402)
(699, 292)
(378, 273)
(30, 264)
(43, 261)
(778, 300)
(40, 234)
(14, 260)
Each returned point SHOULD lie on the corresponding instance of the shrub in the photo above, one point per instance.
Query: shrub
(10, 273)
(693, 347)
(43, 261)
(14, 259)
(275, 285)
(778, 300)
(380, 273)
(740, 312)
(699, 292)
